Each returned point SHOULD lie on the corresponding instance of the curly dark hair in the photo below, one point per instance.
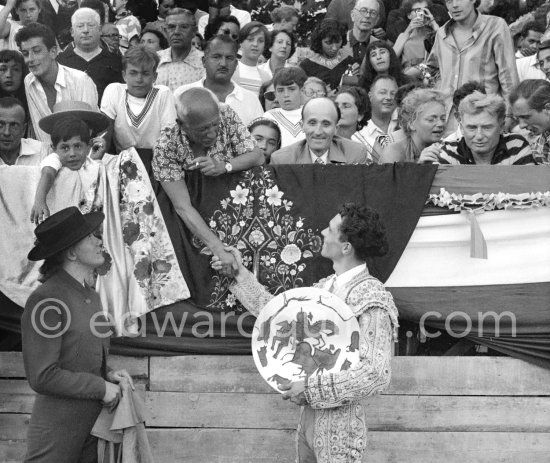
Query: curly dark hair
(36, 30)
(395, 70)
(362, 228)
(327, 29)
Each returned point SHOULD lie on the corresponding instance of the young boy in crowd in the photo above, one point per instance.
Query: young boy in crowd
(138, 109)
(71, 131)
(288, 83)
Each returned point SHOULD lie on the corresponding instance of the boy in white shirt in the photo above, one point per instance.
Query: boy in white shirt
(71, 127)
(288, 83)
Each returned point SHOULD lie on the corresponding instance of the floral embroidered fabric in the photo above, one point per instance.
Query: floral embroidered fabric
(172, 153)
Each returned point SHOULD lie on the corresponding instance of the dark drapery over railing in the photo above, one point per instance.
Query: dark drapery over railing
(275, 217)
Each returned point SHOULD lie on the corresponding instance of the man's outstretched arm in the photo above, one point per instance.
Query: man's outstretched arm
(179, 195)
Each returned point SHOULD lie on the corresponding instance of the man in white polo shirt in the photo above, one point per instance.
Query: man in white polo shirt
(220, 62)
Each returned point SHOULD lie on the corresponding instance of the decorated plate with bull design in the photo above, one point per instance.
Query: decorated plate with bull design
(304, 332)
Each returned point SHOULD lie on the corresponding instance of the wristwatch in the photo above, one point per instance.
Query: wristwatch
(228, 167)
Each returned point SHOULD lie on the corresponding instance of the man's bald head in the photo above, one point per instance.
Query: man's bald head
(195, 103)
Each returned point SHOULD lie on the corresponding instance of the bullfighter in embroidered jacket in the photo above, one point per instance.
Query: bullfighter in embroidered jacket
(332, 425)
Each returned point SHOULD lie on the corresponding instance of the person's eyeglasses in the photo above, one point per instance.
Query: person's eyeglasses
(366, 12)
(418, 10)
(123, 14)
(230, 34)
(111, 36)
(183, 27)
(269, 96)
(314, 93)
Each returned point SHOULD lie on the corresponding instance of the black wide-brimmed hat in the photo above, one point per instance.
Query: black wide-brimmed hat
(62, 230)
(65, 109)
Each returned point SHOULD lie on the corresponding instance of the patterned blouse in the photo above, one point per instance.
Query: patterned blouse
(172, 154)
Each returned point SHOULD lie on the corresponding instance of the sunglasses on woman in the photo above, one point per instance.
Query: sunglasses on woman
(269, 96)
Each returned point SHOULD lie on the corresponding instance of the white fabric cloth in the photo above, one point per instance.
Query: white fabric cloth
(8, 43)
(250, 77)
(518, 244)
(527, 70)
(159, 113)
(242, 15)
(265, 67)
(371, 131)
(31, 153)
(71, 84)
(290, 123)
(339, 281)
(245, 103)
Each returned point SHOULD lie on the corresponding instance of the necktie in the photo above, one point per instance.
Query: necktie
(383, 140)
(319, 161)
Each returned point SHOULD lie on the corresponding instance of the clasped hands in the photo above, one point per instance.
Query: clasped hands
(113, 391)
(208, 166)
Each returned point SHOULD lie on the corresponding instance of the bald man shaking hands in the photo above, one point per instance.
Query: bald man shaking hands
(209, 137)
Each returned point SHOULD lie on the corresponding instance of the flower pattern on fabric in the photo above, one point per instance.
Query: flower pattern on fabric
(172, 154)
(144, 233)
(274, 244)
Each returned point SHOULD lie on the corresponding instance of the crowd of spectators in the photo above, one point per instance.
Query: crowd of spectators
(375, 81)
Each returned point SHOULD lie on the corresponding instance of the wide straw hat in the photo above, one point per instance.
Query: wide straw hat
(61, 230)
(97, 121)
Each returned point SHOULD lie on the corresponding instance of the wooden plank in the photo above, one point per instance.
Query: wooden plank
(12, 451)
(16, 396)
(262, 446)
(411, 375)
(13, 426)
(11, 365)
(384, 413)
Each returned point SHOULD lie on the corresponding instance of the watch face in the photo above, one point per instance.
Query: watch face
(228, 167)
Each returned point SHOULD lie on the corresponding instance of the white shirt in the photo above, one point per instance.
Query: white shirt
(242, 15)
(245, 103)
(371, 131)
(70, 84)
(338, 281)
(149, 115)
(290, 123)
(323, 157)
(527, 69)
(31, 153)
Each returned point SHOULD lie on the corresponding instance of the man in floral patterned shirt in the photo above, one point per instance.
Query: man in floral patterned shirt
(332, 425)
(209, 137)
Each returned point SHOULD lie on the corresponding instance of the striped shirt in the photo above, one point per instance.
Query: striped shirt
(512, 149)
(487, 56)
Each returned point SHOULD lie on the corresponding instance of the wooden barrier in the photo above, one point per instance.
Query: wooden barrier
(217, 409)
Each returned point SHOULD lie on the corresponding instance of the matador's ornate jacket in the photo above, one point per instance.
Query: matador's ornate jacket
(340, 427)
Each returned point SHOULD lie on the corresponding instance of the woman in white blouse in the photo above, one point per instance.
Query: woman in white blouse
(252, 38)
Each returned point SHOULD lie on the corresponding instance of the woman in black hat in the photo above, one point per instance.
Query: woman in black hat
(66, 340)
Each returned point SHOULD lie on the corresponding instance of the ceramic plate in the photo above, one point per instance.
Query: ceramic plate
(304, 332)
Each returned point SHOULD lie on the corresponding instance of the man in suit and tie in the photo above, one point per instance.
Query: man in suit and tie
(322, 145)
